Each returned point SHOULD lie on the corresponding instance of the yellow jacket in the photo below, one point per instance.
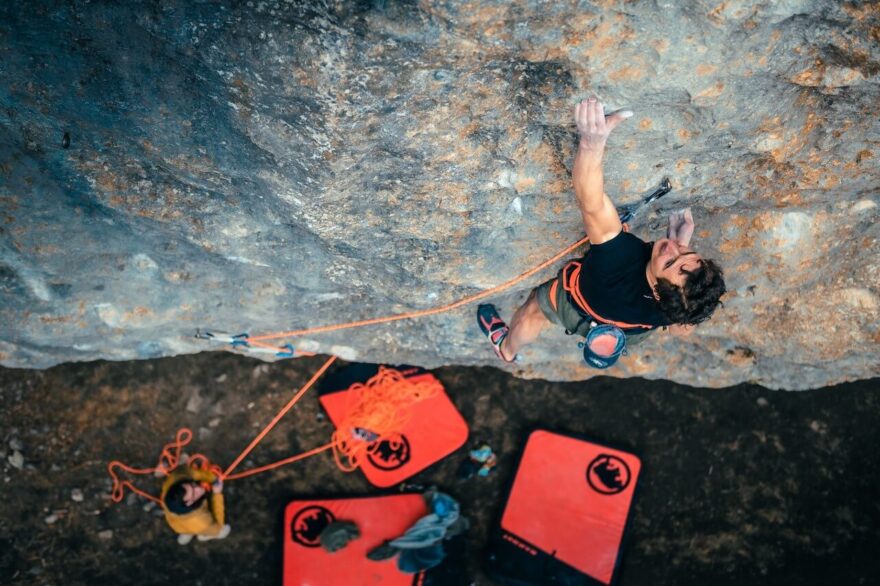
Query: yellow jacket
(208, 518)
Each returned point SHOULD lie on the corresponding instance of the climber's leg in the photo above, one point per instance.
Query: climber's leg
(525, 327)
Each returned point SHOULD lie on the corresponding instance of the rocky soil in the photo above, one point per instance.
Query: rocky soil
(739, 486)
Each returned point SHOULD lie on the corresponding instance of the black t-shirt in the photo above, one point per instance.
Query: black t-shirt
(614, 283)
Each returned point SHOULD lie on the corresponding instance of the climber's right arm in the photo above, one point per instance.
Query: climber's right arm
(599, 214)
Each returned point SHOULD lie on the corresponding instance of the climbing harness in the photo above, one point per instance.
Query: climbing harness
(571, 274)
(605, 339)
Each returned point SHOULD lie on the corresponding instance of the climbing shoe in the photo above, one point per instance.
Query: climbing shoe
(493, 327)
(336, 535)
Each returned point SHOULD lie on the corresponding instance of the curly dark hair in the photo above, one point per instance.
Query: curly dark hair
(700, 296)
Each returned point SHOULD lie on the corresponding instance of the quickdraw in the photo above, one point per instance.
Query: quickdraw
(243, 342)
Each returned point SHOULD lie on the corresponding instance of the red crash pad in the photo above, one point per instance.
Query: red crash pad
(379, 519)
(570, 500)
(435, 430)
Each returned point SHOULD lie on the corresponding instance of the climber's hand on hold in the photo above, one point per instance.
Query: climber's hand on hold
(217, 486)
(592, 124)
(681, 226)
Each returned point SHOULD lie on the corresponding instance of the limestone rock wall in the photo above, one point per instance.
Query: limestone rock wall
(265, 165)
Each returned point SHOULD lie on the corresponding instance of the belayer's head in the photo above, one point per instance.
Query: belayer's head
(687, 286)
(185, 496)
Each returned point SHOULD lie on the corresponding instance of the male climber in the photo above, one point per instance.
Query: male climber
(621, 280)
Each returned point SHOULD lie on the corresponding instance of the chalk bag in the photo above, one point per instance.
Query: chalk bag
(603, 346)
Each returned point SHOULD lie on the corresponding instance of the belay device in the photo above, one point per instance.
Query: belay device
(603, 345)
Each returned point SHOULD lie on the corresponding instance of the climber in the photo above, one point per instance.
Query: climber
(621, 280)
(192, 499)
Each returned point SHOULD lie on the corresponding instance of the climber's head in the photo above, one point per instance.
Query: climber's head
(687, 286)
(185, 496)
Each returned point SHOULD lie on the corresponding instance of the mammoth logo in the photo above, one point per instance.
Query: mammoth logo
(608, 474)
(390, 454)
(307, 525)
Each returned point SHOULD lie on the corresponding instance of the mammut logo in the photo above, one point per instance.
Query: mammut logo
(307, 525)
(390, 454)
(608, 474)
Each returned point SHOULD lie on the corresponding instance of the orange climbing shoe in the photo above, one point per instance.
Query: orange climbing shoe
(493, 327)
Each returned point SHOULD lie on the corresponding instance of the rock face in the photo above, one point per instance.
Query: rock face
(274, 165)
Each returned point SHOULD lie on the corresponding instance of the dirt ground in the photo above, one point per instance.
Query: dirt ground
(740, 486)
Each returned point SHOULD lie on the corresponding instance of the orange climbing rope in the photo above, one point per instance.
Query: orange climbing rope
(255, 340)
(376, 412)
(379, 410)
(282, 413)
(280, 463)
(169, 458)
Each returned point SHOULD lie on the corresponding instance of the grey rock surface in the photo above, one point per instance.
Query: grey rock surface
(272, 165)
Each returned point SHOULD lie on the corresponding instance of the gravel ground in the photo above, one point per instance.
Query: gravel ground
(739, 486)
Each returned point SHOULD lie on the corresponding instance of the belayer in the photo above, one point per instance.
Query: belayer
(192, 499)
(623, 288)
